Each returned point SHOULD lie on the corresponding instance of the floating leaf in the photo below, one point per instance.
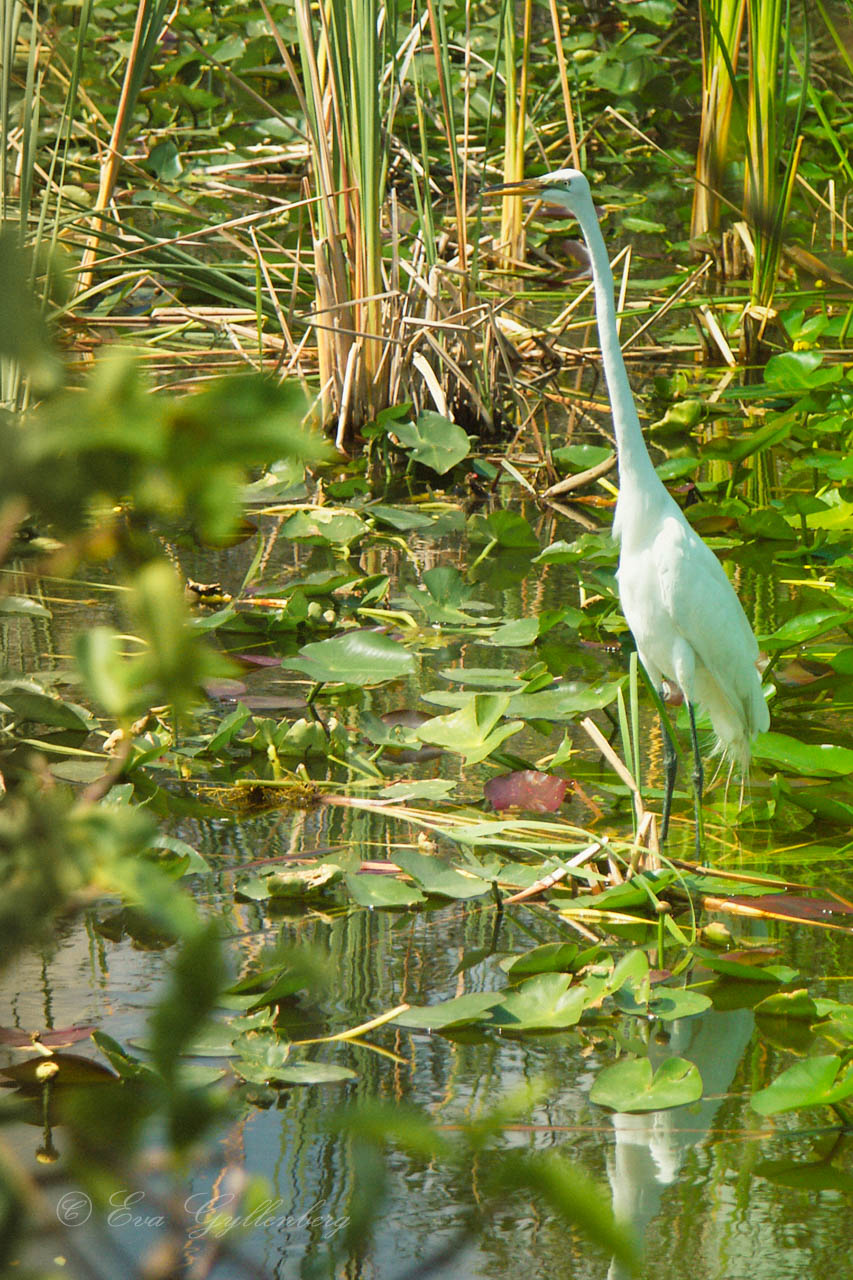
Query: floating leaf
(460, 1012)
(546, 1002)
(788, 1004)
(322, 525)
(23, 607)
(402, 518)
(666, 1003)
(516, 634)
(805, 626)
(419, 789)
(815, 759)
(382, 891)
(741, 967)
(817, 1082)
(57, 1068)
(434, 876)
(631, 1085)
(291, 882)
(475, 730)
(356, 657)
(433, 441)
(526, 789)
(551, 957)
(442, 596)
(505, 529)
(27, 701)
(562, 700)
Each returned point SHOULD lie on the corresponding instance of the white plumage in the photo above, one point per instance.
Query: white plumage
(687, 622)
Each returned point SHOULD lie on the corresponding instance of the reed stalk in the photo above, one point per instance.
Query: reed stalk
(721, 26)
(769, 182)
(150, 16)
(515, 121)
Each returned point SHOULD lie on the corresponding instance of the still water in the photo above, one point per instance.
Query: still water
(712, 1190)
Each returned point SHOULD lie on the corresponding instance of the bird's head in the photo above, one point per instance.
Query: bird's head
(567, 188)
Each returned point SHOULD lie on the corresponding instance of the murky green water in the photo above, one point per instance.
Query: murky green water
(712, 1190)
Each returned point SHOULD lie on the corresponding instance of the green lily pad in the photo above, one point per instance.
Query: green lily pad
(632, 1085)
(401, 518)
(460, 1012)
(323, 525)
(516, 634)
(545, 1002)
(505, 528)
(805, 626)
(291, 882)
(356, 657)
(433, 441)
(814, 759)
(816, 1082)
(382, 891)
(788, 1004)
(436, 877)
(475, 730)
(27, 701)
(778, 973)
(668, 1003)
(551, 957)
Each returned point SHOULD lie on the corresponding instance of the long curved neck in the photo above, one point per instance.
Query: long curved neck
(635, 465)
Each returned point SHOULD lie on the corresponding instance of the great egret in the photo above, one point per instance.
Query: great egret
(687, 622)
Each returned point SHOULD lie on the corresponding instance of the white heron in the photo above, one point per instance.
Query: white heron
(687, 622)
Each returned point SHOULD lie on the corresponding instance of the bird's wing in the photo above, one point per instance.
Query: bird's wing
(704, 609)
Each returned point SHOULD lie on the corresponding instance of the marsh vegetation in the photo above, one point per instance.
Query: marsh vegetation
(337, 935)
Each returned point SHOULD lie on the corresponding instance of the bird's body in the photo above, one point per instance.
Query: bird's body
(687, 622)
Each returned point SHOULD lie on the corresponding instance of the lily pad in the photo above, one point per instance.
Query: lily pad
(27, 701)
(292, 882)
(816, 1082)
(475, 730)
(460, 1012)
(666, 1003)
(23, 607)
(356, 657)
(382, 891)
(632, 1085)
(516, 634)
(436, 877)
(402, 518)
(814, 759)
(546, 1002)
(323, 525)
(551, 957)
(433, 441)
(788, 1004)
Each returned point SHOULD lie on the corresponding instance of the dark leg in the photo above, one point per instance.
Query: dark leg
(670, 768)
(698, 781)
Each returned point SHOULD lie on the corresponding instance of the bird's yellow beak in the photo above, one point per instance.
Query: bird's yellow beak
(526, 187)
